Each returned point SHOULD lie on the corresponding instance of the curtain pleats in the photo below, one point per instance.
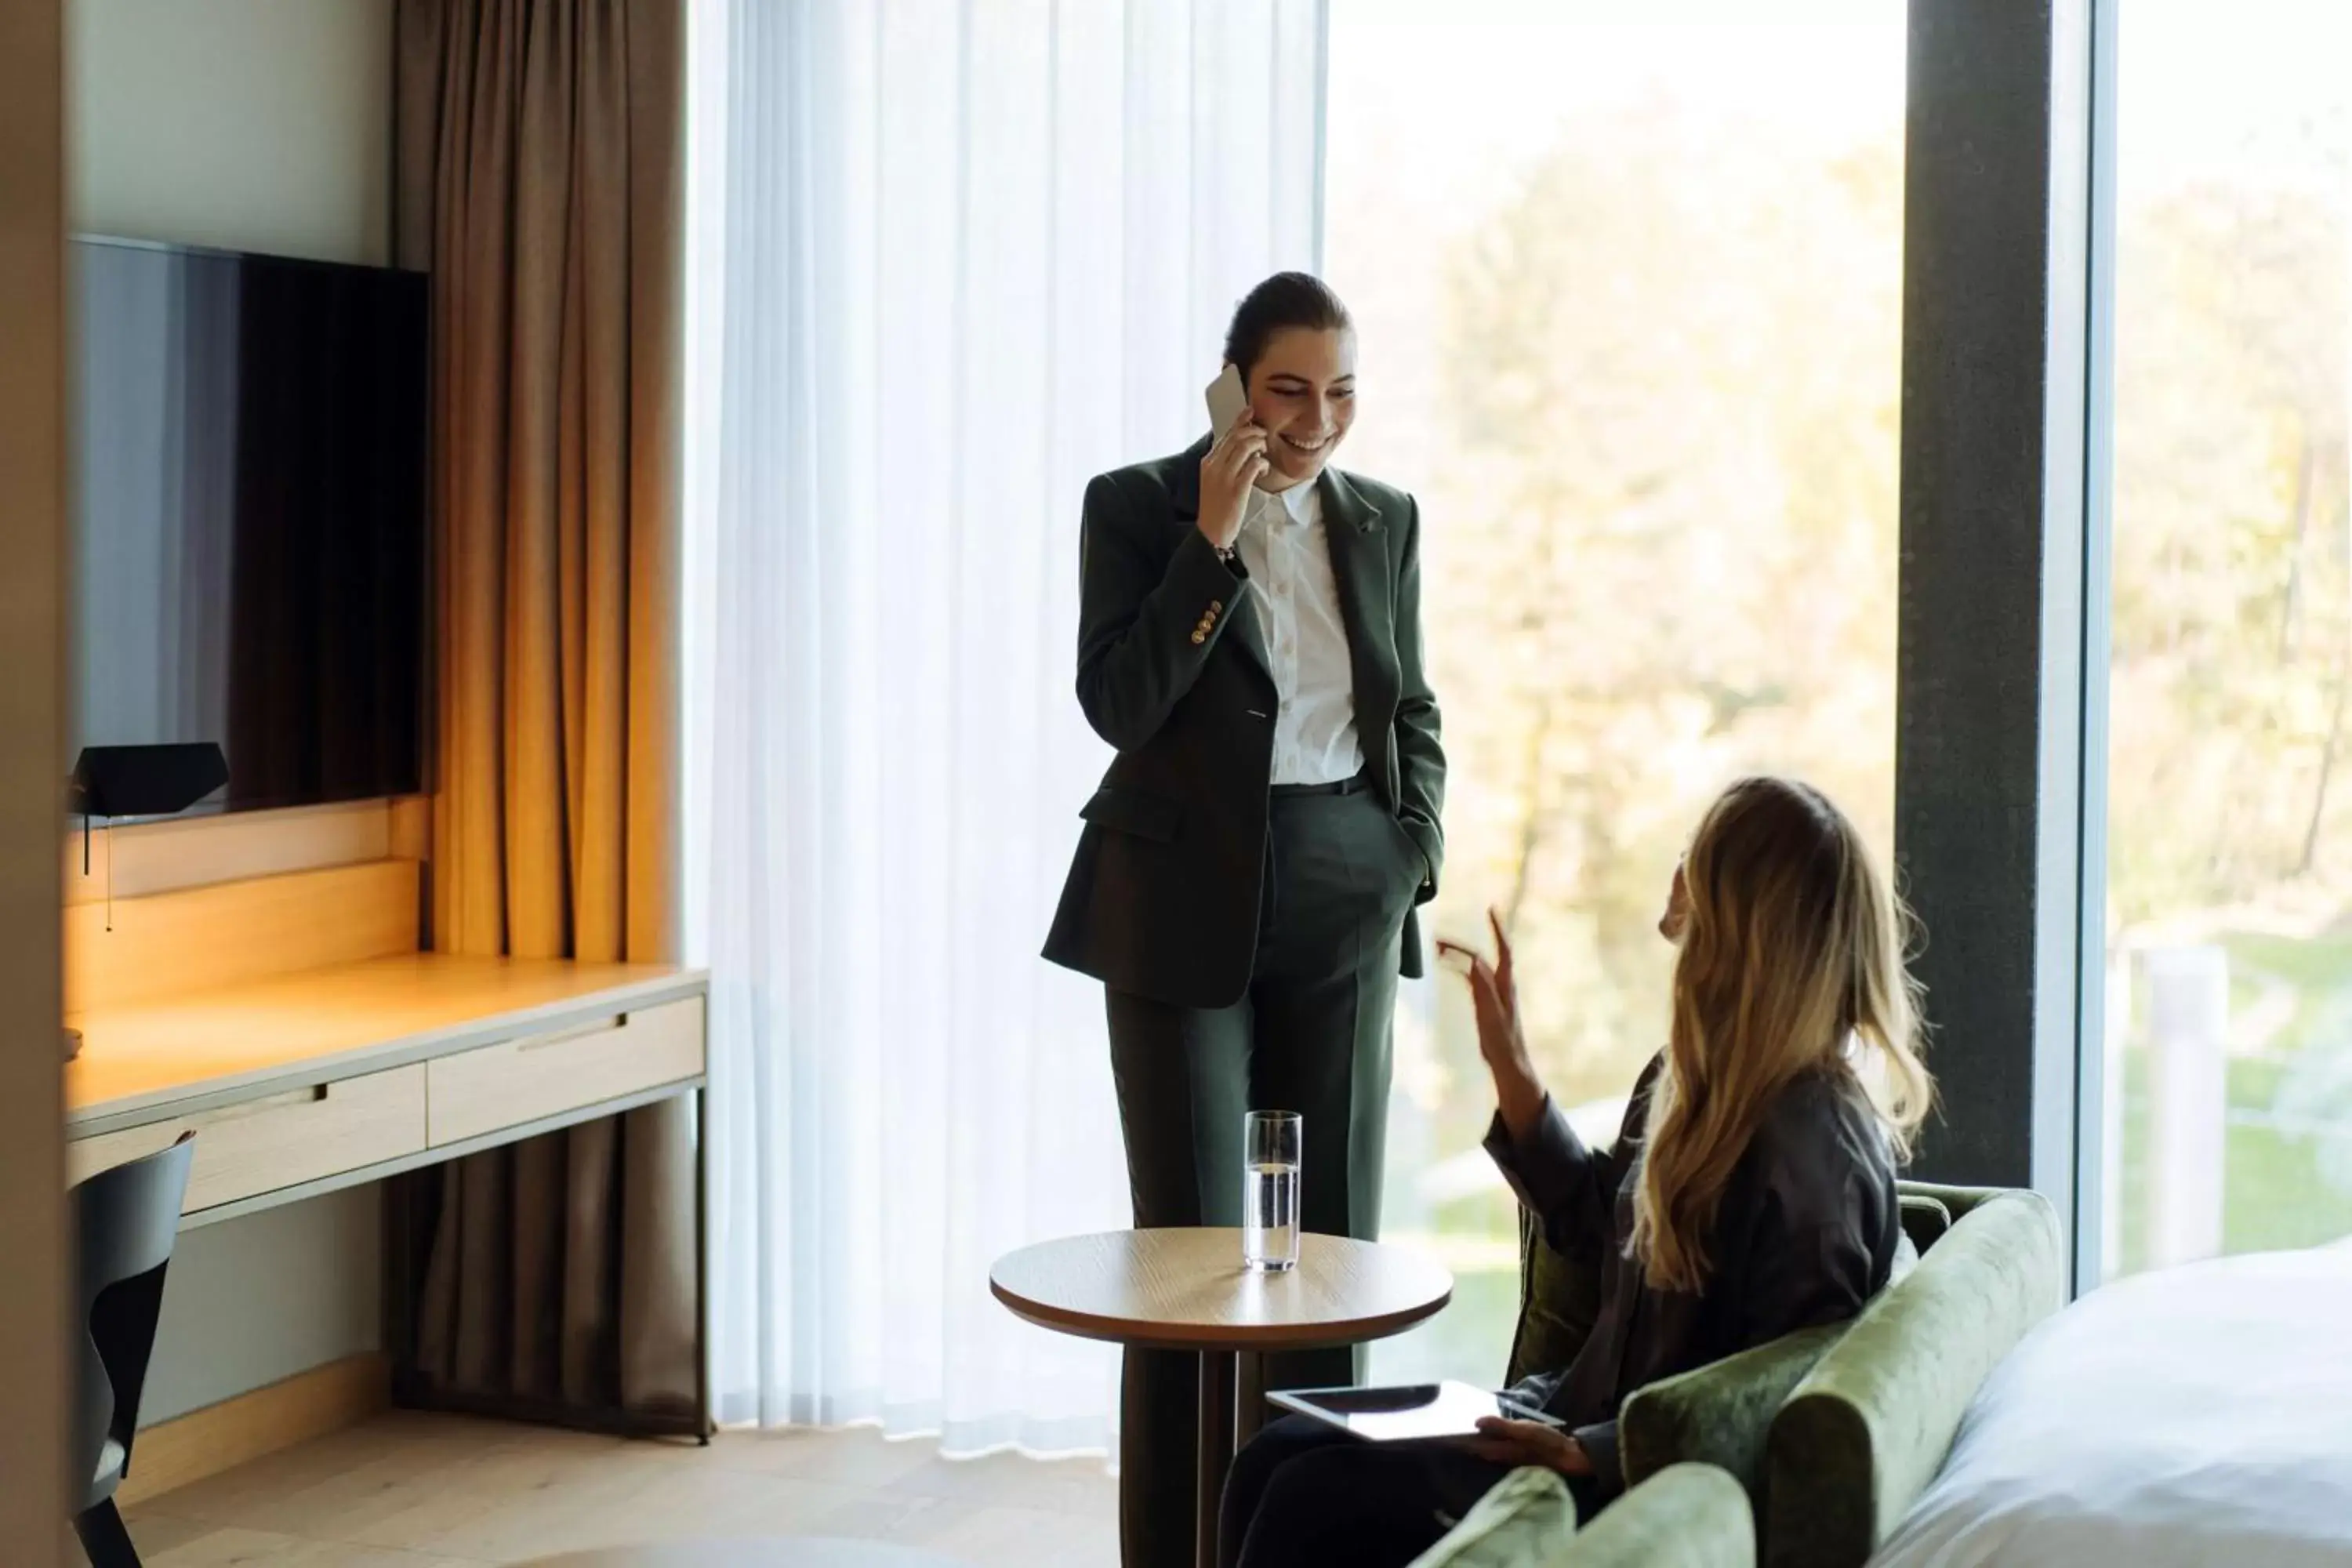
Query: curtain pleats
(959, 258)
(540, 169)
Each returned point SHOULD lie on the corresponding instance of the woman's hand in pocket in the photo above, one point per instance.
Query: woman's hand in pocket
(1416, 858)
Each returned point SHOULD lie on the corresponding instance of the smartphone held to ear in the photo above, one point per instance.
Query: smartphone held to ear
(1227, 398)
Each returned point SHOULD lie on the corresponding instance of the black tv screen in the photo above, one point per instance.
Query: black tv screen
(249, 562)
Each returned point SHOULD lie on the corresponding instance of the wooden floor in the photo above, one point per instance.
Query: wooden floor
(409, 1490)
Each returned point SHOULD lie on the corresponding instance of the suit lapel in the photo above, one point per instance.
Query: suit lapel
(1360, 568)
(1184, 491)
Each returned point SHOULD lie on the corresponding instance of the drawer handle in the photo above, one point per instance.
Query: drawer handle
(603, 1026)
(311, 1095)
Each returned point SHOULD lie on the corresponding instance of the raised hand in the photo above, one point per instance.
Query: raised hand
(1229, 471)
(1495, 996)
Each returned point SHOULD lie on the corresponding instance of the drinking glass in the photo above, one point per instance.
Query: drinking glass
(1270, 1153)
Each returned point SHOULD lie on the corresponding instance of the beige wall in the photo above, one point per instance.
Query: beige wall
(32, 495)
(245, 124)
(249, 125)
(300, 1269)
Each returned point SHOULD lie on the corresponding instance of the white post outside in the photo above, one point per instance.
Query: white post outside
(2117, 1032)
(2187, 1112)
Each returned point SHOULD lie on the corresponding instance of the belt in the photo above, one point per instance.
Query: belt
(1362, 782)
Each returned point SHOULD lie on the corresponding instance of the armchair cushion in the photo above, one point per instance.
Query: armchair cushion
(1526, 1521)
(1687, 1516)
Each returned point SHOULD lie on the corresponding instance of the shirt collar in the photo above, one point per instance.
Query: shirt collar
(1298, 502)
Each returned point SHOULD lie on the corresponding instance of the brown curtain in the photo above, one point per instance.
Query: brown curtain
(538, 152)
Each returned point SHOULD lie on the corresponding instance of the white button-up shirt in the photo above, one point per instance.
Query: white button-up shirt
(1283, 544)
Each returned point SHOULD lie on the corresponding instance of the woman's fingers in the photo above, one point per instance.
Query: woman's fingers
(1464, 958)
(1511, 1442)
(1241, 455)
(1523, 1442)
(1221, 450)
(1496, 1027)
(1490, 996)
(1503, 977)
(1473, 966)
(1244, 434)
(1469, 963)
(1250, 460)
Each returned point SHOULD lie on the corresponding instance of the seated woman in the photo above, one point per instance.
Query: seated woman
(1750, 1192)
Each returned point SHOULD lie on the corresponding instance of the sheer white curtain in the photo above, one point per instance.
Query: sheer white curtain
(950, 259)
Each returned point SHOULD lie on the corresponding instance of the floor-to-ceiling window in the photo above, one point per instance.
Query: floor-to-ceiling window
(2228, 917)
(1627, 280)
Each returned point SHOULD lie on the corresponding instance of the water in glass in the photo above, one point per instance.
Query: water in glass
(1270, 1192)
(1270, 1217)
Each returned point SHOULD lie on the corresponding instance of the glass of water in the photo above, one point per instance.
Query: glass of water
(1270, 1151)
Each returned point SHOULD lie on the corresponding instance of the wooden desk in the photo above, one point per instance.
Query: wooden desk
(309, 1082)
(305, 1083)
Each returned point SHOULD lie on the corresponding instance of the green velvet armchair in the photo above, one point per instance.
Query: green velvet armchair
(1833, 1432)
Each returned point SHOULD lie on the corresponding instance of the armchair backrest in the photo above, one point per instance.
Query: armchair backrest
(1867, 1428)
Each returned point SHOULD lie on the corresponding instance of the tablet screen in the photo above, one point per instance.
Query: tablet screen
(1416, 1410)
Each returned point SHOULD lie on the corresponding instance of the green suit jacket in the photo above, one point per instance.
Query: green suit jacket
(1164, 895)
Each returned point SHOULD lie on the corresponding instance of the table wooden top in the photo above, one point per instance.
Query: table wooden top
(322, 1024)
(1186, 1290)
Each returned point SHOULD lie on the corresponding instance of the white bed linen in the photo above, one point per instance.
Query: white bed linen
(2198, 1417)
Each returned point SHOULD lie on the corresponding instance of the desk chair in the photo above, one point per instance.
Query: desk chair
(125, 1221)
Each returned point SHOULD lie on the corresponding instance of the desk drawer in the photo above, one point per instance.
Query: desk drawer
(276, 1140)
(521, 1080)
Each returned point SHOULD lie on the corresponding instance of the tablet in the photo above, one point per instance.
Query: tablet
(1416, 1410)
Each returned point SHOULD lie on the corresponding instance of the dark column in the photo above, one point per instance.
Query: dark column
(1996, 636)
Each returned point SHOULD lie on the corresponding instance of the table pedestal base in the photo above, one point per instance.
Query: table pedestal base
(1216, 1451)
(1226, 1422)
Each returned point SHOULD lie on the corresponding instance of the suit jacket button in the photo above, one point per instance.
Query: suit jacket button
(1216, 606)
(1199, 638)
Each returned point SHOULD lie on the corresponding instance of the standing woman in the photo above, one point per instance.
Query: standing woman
(1249, 639)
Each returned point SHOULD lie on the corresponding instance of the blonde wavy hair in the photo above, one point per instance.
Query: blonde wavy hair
(1793, 960)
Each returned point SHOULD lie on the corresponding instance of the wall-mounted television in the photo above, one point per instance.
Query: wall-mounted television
(250, 509)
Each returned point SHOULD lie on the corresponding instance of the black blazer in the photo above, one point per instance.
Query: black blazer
(1163, 897)
(1805, 1235)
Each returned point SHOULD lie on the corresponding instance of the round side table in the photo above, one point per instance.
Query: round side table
(1187, 1291)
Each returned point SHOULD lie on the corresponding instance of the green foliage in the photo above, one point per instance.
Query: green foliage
(1670, 557)
(1676, 357)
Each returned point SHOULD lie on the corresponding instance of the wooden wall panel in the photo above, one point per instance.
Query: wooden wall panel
(227, 933)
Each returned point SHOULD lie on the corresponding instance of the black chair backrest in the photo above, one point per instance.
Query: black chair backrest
(125, 1221)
